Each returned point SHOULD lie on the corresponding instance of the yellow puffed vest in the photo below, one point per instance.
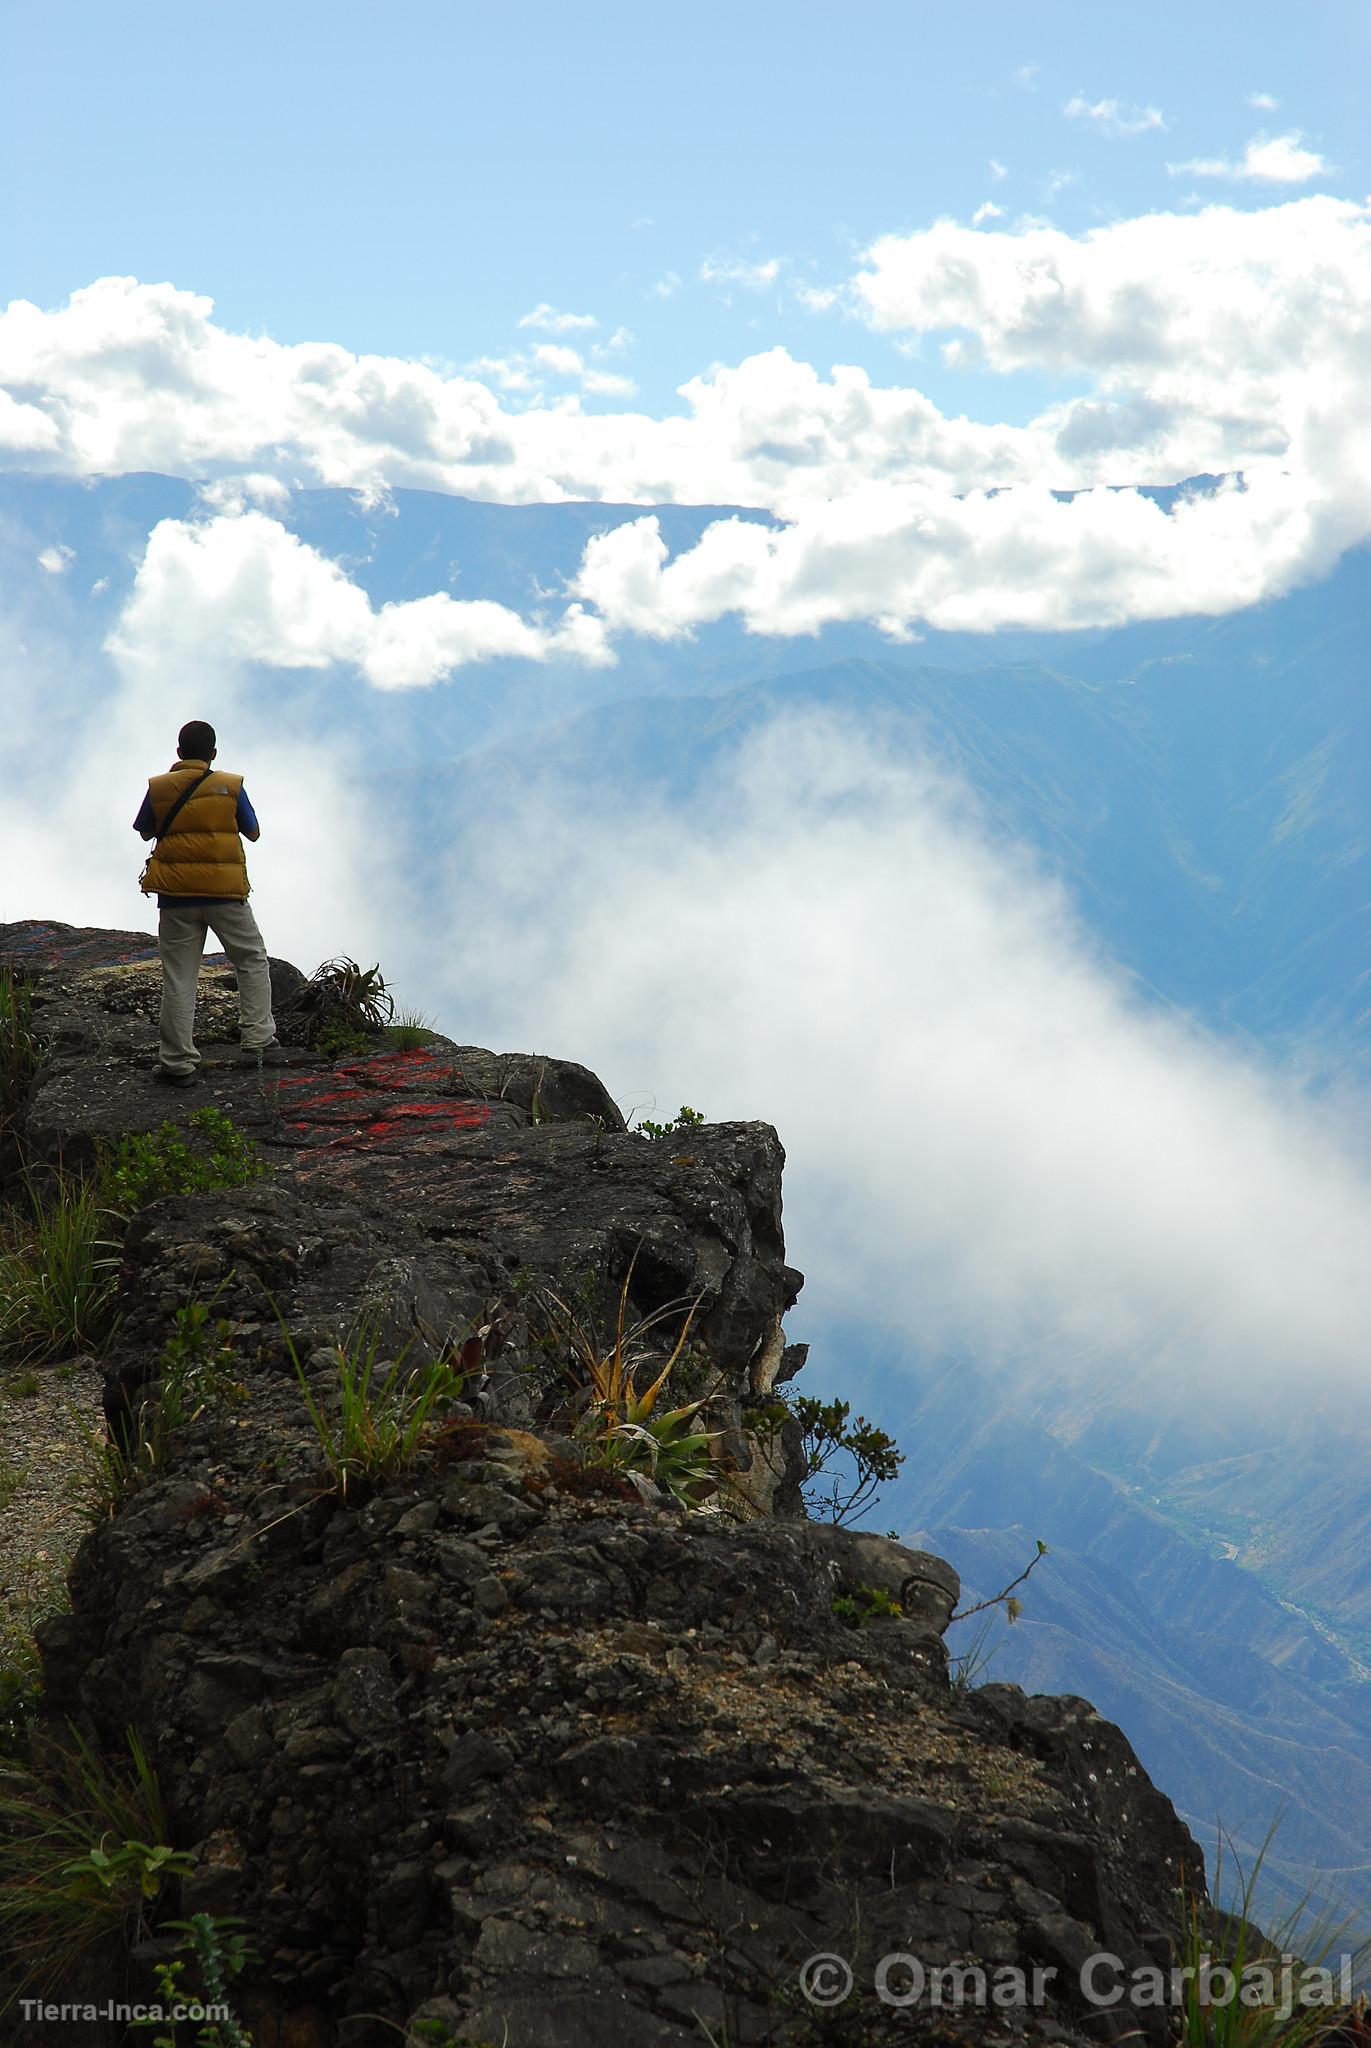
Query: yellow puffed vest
(202, 855)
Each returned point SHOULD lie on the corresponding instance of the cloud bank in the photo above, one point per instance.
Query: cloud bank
(1221, 342)
(989, 1137)
(240, 588)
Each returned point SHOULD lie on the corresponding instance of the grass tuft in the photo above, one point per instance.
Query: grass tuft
(379, 1417)
(83, 1860)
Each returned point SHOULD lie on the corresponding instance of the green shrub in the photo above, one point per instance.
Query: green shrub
(58, 1270)
(338, 1038)
(20, 1693)
(684, 1120)
(361, 989)
(665, 1448)
(148, 1166)
(219, 1953)
(866, 1604)
(621, 1378)
(850, 1459)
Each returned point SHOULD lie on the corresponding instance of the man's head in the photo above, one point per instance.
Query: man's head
(196, 741)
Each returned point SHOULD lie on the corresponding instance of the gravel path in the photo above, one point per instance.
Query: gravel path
(45, 1440)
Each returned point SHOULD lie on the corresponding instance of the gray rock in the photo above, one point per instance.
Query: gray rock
(364, 1693)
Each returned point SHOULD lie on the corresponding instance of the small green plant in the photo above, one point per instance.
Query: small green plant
(849, 1459)
(23, 1386)
(58, 1274)
(83, 1858)
(866, 1604)
(685, 1119)
(1242, 1988)
(12, 1477)
(194, 1372)
(20, 1693)
(409, 1031)
(219, 1952)
(18, 1046)
(385, 1415)
(338, 1039)
(965, 1670)
(148, 1166)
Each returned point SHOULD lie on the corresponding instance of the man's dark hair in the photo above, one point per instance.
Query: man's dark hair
(196, 741)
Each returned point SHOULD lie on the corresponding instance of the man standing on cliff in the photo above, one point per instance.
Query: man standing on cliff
(199, 818)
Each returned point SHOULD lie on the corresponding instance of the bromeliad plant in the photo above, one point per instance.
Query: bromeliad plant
(619, 1425)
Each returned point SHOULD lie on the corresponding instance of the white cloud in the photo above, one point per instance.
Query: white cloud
(1220, 341)
(1115, 117)
(511, 373)
(242, 588)
(606, 384)
(987, 210)
(1048, 1160)
(1267, 160)
(667, 287)
(1026, 77)
(555, 356)
(902, 558)
(238, 493)
(735, 270)
(57, 560)
(552, 322)
(1264, 102)
(26, 429)
(998, 171)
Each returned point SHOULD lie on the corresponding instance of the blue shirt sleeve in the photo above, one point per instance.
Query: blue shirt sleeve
(146, 821)
(247, 817)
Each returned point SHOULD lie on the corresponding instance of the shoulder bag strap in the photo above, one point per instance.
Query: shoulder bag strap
(174, 813)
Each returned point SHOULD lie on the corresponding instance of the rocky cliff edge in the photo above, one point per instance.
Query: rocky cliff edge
(540, 1762)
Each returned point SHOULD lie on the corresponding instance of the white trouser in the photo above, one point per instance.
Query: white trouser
(181, 931)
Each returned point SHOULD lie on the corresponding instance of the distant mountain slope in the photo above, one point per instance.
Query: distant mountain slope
(1210, 815)
(1238, 1702)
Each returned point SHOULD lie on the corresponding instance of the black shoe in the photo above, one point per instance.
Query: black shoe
(170, 1078)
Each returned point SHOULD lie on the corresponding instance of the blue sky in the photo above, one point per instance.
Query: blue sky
(412, 181)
